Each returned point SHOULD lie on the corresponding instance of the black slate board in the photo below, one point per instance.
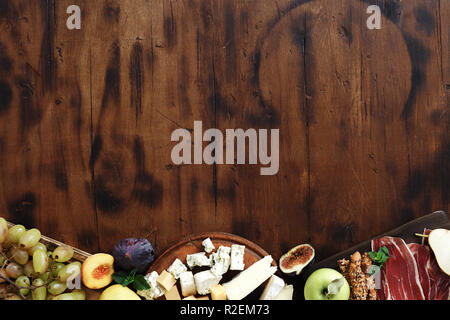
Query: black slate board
(438, 219)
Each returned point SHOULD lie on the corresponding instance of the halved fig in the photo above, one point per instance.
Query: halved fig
(297, 259)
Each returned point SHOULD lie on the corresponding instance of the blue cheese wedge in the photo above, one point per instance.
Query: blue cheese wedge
(155, 291)
(205, 280)
(273, 288)
(198, 260)
(187, 284)
(177, 268)
(221, 260)
(208, 245)
(237, 257)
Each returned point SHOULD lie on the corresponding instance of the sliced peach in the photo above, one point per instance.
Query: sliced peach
(96, 271)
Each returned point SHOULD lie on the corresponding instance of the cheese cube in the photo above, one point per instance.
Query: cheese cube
(237, 257)
(218, 293)
(208, 245)
(286, 294)
(187, 284)
(250, 279)
(198, 260)
(273, 288)
(190, 298)
(166, 280)
(177, 268)
(205, 280)
(172, 294)
(155, 290)
(222, 260)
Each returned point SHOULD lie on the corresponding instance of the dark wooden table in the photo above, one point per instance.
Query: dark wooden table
(86, 117)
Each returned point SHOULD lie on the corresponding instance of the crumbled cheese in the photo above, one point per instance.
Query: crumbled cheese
(177, 268)
(198, 260)
(221, 260)
(155, 291)
(237, 257)
(208, 245)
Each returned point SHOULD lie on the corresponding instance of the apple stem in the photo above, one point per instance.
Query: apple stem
(422, 235)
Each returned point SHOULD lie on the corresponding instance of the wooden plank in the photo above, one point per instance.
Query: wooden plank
(142, 91)
(366, 124)
(443, 116)
(254, 91)
(46, 131)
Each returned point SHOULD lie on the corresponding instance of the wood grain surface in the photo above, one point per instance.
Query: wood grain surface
(86, 117)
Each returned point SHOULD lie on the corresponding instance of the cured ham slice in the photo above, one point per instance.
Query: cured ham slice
(422, 256)
(411, 272)
(400, 277)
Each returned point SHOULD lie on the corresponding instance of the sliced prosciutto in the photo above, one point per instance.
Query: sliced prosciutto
(422, 256)
(400, 279)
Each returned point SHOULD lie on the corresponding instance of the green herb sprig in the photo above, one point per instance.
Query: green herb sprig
(125, 279)
(379, 257)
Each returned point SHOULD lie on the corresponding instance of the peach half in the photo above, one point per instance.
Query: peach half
(96, 270)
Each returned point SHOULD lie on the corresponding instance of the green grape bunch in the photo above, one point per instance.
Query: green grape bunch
(28, 270)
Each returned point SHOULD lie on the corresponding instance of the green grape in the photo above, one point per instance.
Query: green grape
(30, 238)
(39, 245)
(80, 294)
(74, 295)
(13, 270)
(3, 222)
(23, 281)
(3, 233)
(72, 269)
(2, 259)
(40, 261)
(39, 293)
(20, 256)
(49, 253)
(45, 276)
(56, 267)
(14, 233)
(65, 296)
(62, 254)
(28, 269)
(56, 287)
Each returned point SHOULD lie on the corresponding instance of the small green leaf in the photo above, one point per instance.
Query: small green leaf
(140, 283)
(120, 276)
(130, 278)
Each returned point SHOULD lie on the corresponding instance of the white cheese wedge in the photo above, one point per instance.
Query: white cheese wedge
(205, 280)
(250, 279)
(177, 268)
(221, 261)
(237, 257)
(208, 245)
(187, 284)
(273, 288)
(155, 291)
(198, 260)
(286, 294)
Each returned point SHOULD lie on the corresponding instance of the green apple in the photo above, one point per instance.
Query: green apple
(318, 286)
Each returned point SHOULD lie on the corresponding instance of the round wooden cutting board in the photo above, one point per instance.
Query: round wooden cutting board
(193, 244)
